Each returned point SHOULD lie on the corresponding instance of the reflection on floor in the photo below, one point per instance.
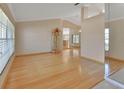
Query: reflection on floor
(114, 74)
(112, 66)
(63, 70)
(57, 70)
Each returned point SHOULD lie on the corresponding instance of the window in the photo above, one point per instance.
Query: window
(66, 32)
(6, 40)
(107, 39)
(75, 38)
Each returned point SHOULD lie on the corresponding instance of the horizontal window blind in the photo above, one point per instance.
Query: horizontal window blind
(7, 31)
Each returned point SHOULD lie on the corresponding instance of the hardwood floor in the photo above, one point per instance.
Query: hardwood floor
(63, 70)
(112, 65)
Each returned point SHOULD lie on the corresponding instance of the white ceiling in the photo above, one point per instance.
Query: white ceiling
(41, 11)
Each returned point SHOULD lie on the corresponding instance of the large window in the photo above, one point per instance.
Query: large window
(6, 40)
(75, 39)
(66, 32)
(107, 39)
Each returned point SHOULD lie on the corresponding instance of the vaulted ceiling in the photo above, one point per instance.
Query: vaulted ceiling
(41, 11)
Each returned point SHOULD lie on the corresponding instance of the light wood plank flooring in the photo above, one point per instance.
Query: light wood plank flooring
(63, 70)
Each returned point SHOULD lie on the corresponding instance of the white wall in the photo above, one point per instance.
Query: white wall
(35, 36)
(115, 13)
(92, 38)
(117, 39)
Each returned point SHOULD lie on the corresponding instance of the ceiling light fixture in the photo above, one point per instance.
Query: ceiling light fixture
(76, 4)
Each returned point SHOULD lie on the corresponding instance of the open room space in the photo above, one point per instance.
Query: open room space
(63, 70)
(61, 46)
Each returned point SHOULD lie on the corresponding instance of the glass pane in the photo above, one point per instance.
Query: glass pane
(106, 30)
(0, 31)
(107, 36)
(76, 39)
(65, 37)
(3, 31)
(106, 39)
(66, 31)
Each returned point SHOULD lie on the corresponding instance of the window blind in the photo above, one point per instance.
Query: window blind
(6, 40)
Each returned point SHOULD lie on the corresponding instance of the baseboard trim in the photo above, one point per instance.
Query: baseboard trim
(92, 60)
(116, 59)
(31, 54)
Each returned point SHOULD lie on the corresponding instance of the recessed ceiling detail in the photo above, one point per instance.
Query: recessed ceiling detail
(41, 11)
